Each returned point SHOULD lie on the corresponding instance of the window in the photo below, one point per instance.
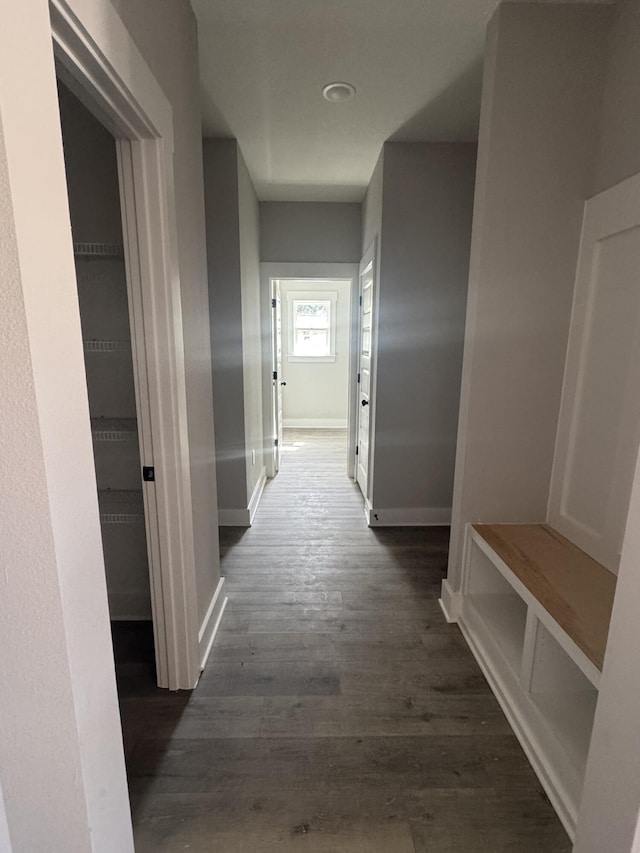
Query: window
(311, 324)
(311, 330)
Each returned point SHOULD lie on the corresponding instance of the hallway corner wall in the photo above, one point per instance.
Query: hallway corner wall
(419, 204)
(232, 226)
(225, 306)
(249, 229)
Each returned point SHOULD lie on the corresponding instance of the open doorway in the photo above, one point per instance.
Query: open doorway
(311, 361)
(112, 81)
(128, 532)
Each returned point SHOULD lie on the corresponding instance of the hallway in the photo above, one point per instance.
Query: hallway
(339, 712)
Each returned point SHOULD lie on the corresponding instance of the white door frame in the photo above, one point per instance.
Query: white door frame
(369, 258)
(99, 62)
(324, 272)
(277, 380)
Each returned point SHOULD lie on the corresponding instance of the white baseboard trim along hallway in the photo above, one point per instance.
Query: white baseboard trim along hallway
(254, 501)
(450, 602)
(211, 623)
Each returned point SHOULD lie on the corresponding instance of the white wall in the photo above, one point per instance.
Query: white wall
(611, 798)
(316, 394)
(541, 60)
(5, 840)
(63, 774)
(608, 818)
(166, 34)
(310, 232)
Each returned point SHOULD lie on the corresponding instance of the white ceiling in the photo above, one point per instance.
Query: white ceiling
(416, 66)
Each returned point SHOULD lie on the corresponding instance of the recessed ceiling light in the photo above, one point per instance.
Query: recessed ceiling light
(335, 93)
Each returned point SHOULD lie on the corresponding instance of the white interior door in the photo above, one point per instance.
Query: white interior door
(278, 382)
(367, 275)
(599, 424)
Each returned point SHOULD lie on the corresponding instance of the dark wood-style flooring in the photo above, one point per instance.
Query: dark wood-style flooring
(339, 712)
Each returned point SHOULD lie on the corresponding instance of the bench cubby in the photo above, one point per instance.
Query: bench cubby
(535, 611)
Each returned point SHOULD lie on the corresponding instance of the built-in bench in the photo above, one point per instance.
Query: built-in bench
(535, 611)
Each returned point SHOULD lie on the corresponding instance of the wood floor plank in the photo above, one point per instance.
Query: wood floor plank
(339, 712)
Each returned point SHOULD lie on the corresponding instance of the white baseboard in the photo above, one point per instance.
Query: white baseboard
(211, 623)
(130, 606)
(244, 517)
(408, 516)
(450, 602)
(367, 511)
(314, 423)
(257, 494)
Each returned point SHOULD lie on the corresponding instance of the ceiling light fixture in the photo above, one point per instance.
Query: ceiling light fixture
(336, 93)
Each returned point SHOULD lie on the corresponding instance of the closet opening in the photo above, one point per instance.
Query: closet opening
(113, 384)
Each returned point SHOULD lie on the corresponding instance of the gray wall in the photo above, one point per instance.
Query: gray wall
(232, 223)
(419, 205)
(543, 64)
(249, 229)
(165, 32)
(225, 304)
(310, 232)
(618, 155)
(424, 266)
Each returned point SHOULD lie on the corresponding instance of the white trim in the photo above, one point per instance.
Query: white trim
(315, 423)
(101, 63)
(425, 516)
(362, 476)
(450, 602)
(207, 634)
(256, 495)
(367, 511)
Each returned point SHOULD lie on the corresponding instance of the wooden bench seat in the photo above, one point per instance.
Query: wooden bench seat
(577, 591)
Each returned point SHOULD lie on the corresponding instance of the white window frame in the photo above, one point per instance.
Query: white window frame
(293, 296)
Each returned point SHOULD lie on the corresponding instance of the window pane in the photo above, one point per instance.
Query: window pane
(312, 342)
(312, 315)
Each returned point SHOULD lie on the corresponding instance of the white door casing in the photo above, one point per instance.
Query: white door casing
(599, 423)
(277, 380)
(365, 361)
(143, 126)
